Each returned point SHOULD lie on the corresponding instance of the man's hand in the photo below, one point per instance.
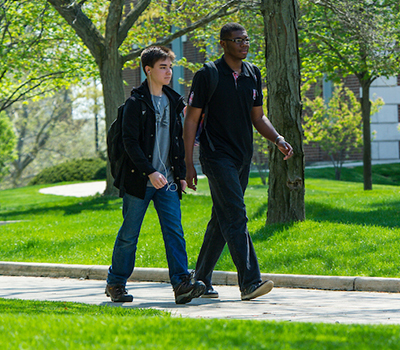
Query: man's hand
(158, 180)
(183, 185)
(191, 177)
(267, 130)
(285, 148)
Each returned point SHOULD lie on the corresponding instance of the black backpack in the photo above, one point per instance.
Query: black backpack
(115, 147)
(213, 78)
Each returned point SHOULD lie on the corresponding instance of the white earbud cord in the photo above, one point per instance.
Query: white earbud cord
(171, 186)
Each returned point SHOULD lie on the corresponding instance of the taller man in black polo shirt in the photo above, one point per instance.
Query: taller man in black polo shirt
(226, 148)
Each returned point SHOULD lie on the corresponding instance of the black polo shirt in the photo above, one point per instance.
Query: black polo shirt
(229, 124)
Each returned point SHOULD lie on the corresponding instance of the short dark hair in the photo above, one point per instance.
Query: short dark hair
(153, 54)
(229, 28)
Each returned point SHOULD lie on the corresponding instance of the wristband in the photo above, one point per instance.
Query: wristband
(278, 138)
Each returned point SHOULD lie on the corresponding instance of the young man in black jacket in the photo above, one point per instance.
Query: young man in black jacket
(154, 170)
(226, 148)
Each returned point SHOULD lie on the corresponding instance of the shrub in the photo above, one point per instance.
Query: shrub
(73, 170)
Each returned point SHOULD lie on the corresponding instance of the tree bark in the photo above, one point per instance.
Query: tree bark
(366, 118)
(286, 178)
(113, 94)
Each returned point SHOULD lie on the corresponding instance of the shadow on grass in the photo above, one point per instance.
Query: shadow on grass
(95, 203)
(268, 231)
(260, 212)
(381, 214)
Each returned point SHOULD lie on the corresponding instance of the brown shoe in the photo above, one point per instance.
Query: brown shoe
(118, 293)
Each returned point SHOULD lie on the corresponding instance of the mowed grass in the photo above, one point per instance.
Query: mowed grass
(348, 231)
(59, 325)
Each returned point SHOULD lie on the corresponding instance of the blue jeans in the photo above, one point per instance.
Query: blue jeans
(228, 223)
(167, 205)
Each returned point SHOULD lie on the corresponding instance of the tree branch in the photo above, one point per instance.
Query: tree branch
(130, 20)
(3, 73)
(113, 22)
(82, 25)
(7, 102)
(333, 48)
(222, 12)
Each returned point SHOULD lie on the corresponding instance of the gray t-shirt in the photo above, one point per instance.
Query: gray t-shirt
(161, 160)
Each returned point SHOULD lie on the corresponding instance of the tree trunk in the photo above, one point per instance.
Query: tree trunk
(366, 118)
(113, 93)
(286, 178)
(96, 118)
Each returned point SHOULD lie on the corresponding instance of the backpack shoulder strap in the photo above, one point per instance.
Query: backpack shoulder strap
(212, 77)
(143, 108)
(250, 68)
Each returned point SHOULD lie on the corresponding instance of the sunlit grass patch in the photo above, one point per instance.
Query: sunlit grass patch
(59, 325)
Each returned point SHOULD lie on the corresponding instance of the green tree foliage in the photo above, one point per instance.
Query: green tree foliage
(336, 126)
(38, 52)
(7, 143)
(344, 37)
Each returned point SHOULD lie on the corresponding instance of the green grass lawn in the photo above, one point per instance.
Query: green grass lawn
(348, 231)
(60, 325)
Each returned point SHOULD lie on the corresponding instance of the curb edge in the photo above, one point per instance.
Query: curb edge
(99, 272)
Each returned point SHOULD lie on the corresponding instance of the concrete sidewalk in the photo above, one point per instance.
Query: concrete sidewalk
(76, 190)
(282, 304)
(83, 283)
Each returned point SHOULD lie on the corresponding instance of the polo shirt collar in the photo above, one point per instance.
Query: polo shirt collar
(228, 70)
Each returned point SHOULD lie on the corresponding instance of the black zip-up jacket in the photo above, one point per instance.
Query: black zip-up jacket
(139, 139)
